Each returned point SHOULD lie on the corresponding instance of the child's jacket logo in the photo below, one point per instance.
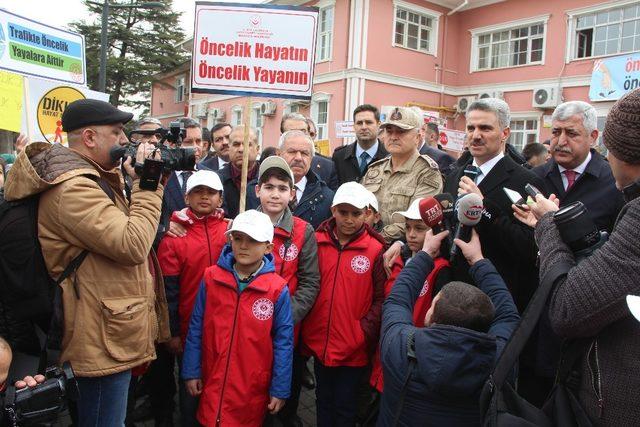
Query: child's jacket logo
(425, 288)
(292, 252)
(263, 309)
(360, 264)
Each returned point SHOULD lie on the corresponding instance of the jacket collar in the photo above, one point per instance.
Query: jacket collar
(187, 217)
(596, 167)
(226, 262)
(327, 229)
(406, 167)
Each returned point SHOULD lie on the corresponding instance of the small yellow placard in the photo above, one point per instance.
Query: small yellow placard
(323, 147)
(11, 101)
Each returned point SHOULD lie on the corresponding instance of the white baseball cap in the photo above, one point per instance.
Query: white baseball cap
(373, 201)
(254, 224)
(353, 194)
(412, 213)
(207, 178)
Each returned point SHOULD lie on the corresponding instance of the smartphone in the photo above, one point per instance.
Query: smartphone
(515, 197)
(532, 191)
(151, 172)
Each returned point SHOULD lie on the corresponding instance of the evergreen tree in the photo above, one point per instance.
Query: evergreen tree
(142, 42)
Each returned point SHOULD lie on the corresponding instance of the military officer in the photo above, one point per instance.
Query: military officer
(405, 175)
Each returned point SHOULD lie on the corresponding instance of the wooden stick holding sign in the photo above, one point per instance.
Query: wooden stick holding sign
(245, 155)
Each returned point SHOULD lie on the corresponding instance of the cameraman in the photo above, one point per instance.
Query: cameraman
(465, 330)
(590, 303)
(110, 313)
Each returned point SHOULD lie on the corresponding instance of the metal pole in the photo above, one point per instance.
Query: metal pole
(102, 78)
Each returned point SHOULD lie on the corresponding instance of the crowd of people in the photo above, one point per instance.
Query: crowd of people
(330, 278)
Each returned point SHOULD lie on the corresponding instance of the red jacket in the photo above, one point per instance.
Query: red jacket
(343, 327)
(423, 303)
(184, 259)
(240, 344)
(287, 266)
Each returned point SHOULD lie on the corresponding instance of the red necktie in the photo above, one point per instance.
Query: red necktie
(571, 178)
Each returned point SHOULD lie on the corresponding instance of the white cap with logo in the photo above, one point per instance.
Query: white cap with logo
(412, 213)
(207, 178)
(254, 224)
(353, 194)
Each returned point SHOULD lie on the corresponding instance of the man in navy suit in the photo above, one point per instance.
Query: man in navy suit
(320, 165)
(220, 141)
(431, 148)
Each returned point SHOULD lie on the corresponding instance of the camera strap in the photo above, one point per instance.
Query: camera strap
(9, 406)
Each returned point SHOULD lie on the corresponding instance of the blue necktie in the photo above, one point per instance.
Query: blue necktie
(364, 161)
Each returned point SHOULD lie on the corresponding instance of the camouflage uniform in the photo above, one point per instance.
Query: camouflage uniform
(395, 190)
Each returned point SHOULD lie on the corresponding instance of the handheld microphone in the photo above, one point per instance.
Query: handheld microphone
(431, 214)
(471, 172)
(469, 212)
(447, 204)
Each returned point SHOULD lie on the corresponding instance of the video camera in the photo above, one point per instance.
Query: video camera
(32, 406)
(578, 230)
(171, 159)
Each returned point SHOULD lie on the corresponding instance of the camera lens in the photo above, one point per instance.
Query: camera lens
(576, 228)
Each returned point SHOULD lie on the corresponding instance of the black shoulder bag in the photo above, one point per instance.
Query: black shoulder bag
(500, 404)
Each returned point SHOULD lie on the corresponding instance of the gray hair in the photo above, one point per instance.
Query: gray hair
(565, 110)
(292, 116)
(189, 123)
(149, 120)
(253, 133)
(495, 106)
(294, 134)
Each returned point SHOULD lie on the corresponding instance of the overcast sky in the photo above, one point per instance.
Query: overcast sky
(62, 12)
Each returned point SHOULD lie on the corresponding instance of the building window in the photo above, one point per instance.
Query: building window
(321, 118)
(415, 28)
(257, 122)
(607, 31)
(180, 89)
(523, 132)
(325, 33)
(511, 47)
(236, 116)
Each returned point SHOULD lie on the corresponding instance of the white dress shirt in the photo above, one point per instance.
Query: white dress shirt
(300, 186)
(578, 170)
(486, 167)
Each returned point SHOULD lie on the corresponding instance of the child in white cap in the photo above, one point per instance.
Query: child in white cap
(239, 348)
(183, 261)
(341, 330)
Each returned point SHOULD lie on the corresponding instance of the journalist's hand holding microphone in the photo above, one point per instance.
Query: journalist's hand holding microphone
(530, 214)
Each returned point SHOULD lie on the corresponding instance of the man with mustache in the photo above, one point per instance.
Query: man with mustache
(577, 171)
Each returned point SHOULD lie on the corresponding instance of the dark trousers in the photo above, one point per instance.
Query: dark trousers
(534, 388)
(337, 394)
(289, 412)
(188, 404)
(161, 385)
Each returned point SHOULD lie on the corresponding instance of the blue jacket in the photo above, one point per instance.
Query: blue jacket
(452, 362)
(282, 332)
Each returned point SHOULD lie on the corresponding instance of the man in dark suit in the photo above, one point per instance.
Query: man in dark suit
(231, 173)
(352, 161)
(577, 172)
(507, 242)
(430, 147)
(220, 142)
(320, 165)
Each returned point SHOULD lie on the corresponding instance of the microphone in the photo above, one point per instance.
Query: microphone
(447, 204)
(469, 212)
(431, 214)
(471, 172)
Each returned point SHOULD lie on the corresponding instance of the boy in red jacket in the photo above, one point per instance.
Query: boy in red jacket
(240, 343)
(342, 329)
(184, 259)
(295, 253)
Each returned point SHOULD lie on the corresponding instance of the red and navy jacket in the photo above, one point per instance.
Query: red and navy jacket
(184, 259)
(343, 326)
(422, 305)
(295, 253)
(239, 343)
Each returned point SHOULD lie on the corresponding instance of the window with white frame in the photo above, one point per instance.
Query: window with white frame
(257, 121)
(320, 116)
(415, 28)
(325, 33)
(180, 89)
(236, 116)
(523, 132)
(607, 31)
(510, 47)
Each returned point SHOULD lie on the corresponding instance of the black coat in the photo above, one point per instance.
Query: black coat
(325, 169)
(505, 241)
(596, 188)
(211, 162)
(443, 160)
(348, 165)
(231, 193)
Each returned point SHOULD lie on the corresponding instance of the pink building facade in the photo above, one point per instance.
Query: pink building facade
(438, 55)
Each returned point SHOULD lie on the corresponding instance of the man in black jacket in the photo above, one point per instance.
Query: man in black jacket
(352, 160)
(508, 243)
(577, 172)
(431, 148)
